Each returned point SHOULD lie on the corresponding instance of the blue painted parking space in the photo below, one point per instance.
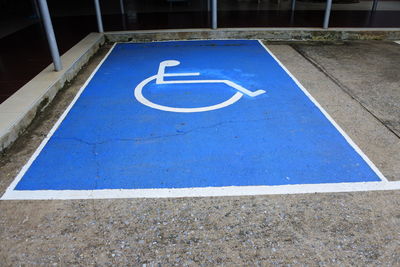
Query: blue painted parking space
(190, 114)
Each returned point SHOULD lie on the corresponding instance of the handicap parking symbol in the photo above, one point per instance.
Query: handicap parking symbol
(139, 131)
(159, 77)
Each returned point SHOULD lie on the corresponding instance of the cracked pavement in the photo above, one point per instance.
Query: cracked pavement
(356, 82)
(139, 139)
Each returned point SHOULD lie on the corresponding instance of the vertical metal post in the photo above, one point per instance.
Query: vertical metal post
(121, 5)
(98, 16)
(327, 13)
(44, 10)
(123, 17)
(374, 5)
(292, 12)
(214, 18)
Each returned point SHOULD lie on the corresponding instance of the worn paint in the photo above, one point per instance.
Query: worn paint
(111, 141)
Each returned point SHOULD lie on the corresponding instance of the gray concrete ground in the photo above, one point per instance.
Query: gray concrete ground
(357, 83)
(368, 71)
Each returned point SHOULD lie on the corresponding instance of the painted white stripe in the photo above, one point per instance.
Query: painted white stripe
(348, 139)
(397, 42)
(203, 192)
(12, 194)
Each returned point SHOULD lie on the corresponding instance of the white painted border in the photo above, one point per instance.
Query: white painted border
(348, 139)
(397, 42)
(12, 194)
(203, 191)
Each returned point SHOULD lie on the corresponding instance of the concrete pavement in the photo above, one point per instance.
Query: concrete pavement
(314, 229)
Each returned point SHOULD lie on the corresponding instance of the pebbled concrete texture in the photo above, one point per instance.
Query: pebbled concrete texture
(341, 229)
(326, 229)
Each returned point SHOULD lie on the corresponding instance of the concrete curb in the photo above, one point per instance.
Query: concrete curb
(270, 34)
(19, 110)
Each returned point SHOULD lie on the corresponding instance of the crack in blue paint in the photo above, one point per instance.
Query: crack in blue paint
(138, 139)
(106, 142)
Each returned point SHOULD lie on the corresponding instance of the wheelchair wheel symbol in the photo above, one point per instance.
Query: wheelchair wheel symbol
(159, 77)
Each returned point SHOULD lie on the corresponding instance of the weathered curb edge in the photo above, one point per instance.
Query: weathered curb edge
(19, 110)
(270, 34)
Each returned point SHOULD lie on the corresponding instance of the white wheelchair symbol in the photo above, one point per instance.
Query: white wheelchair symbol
(159, 77)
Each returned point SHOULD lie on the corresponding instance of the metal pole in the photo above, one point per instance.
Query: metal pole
(121, 4)
(44, 10)
(293, 5)
(327, 13)
(214, 14)
(292, 12)
(98, 16)
(375, 5)
(123, 17)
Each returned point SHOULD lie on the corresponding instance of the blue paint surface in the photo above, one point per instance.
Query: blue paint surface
(111, 141)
